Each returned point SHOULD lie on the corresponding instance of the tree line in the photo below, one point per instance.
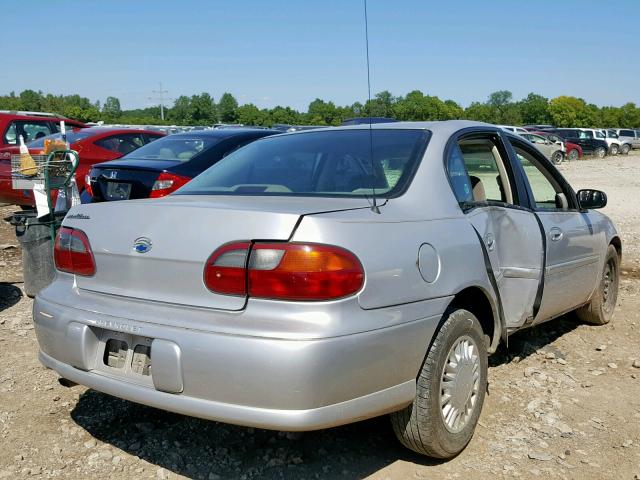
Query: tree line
(499, 108)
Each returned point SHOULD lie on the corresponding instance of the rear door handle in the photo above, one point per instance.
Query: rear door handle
(555, 234)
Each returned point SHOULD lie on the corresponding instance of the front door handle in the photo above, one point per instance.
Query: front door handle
(555, 234)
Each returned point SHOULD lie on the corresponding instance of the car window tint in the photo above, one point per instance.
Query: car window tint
(122, 143)
(486, 172)
(330, 163)
(458, 176)
(627, 133)
(28, 129)
(74, 135)
(543, 186)
(178, 148)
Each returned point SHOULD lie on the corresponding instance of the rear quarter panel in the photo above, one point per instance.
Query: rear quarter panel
(390, 251)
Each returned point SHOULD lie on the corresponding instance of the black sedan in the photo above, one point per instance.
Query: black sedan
(166, 164)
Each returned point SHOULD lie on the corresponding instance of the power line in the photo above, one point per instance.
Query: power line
(160, 98)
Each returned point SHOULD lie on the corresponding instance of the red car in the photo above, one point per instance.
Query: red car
(94, 145)
(573, 150)
(31, 125)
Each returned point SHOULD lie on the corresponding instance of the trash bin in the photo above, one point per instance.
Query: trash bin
(34, 235)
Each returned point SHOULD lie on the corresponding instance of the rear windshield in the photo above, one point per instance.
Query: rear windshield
(317, 163)
(74, 135)
(178, 148)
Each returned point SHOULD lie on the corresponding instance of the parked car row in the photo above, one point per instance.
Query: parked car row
(571, 143)
(311, 279)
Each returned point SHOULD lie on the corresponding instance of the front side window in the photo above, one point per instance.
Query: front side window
(317, 163)
(546, 191)
(599, 134)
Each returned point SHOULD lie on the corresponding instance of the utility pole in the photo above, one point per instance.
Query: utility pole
(160, 97)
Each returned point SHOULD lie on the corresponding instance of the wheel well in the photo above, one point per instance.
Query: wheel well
(476, 301)
(617, 244)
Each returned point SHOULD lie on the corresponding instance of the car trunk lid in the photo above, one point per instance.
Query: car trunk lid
(123, 181)
(182, 231)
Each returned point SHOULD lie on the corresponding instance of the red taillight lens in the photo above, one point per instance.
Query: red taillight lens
(87, 184)
(226, 270)
(284, 271)
(72, 252)
(167, 183)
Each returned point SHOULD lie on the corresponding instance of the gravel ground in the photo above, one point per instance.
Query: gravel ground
(564, 400)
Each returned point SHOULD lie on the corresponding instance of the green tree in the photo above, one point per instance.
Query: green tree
(180, 113)
(203, 109)
(322, 113)
(249, 114)
(111, 108)
(228, 108)
(568, 111)
(31, 100)
(534, 109)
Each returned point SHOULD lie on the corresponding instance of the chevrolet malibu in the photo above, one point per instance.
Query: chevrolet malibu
(323, 277)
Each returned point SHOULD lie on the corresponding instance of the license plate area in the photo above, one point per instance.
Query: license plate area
(118, 191)
(125, 355)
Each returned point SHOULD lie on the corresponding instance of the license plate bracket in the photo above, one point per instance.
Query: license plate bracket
(118, 191)
(124, 354)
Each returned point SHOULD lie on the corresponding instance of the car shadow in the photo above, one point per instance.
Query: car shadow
(9, 295)
(529, 341)
(199, 448)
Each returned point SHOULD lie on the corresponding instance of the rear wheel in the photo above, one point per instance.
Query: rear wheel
(600, 309)
(450, 390)
(600, 152)
(557, 157)
(625, 149)
(573, 155)
(614, 149)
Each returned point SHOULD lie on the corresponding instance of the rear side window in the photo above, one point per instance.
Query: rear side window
(122, 143)
(627, 133)
(317, 163)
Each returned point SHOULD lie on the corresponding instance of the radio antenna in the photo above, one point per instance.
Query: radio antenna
(374, 207)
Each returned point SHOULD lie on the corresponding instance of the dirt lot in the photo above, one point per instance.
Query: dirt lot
(564, 400)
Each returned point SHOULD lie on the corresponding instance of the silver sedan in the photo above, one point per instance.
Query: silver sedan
(318, 278)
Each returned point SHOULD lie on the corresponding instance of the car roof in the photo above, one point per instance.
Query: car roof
(116, 130)
(224, 132)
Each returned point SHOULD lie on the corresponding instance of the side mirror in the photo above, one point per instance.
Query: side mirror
(591, 199)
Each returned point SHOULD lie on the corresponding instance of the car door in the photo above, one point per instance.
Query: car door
(571, 240)
(485, 185)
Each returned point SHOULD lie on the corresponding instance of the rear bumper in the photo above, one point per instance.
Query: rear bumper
(274, 383)
(368, 406)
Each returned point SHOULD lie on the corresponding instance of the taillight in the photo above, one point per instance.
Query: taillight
(167, 183)
(72, 252)
(225, 271)
(87, 184)
(284, 271)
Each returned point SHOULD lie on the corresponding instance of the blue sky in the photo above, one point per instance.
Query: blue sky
(289, 52)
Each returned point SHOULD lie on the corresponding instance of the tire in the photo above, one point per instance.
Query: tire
(573, 155)
(600, 152)
(421, 426)
(614, 149)
(600, 309)
(625, 149)
(557, 157)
